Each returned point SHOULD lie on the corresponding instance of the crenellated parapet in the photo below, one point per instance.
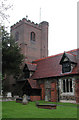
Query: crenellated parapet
(25, 21)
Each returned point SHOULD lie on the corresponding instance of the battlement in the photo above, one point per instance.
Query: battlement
(29, 22)
(44, 23)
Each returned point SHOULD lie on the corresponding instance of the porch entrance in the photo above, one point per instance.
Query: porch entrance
(29, 91)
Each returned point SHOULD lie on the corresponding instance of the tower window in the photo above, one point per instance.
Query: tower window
(16, 36)
(32, 37)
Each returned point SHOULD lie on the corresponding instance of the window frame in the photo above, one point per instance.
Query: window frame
(66, 67)
(32, 36)
(67, 86)
(61, 86)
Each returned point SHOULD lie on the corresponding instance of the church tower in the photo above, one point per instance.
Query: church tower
(32, 38)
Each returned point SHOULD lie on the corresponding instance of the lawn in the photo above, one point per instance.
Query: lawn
(0, 110)
(17, 110)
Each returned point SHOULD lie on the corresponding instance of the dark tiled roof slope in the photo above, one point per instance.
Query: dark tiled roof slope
(71, 57)
(33, 83)
(50, 67)
(31, 67)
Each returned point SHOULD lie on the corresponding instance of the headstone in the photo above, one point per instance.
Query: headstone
(1, 92)
(16, 96)
(24, 101)
(46, 98)
(9, 94)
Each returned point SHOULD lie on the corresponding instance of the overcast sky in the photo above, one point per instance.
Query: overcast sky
(62, 18)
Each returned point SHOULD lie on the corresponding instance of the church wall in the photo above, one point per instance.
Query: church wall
(32, 49)
(49, 89)
(44, 39)
(20, 29)
(53, 92)
(71, 95)
(35, 98)
(42, 91)
(77, 89)
(47, 84)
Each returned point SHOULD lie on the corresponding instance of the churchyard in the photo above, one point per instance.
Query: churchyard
(11, 109)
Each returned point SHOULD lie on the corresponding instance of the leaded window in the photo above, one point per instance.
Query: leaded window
(67, 85)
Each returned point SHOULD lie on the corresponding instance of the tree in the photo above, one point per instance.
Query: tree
(11, 55)
(4, 7)
(0, 61)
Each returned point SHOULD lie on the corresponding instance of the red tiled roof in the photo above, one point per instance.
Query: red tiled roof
(31, 66)
(73, 52)
(50, 67)
(33, 83)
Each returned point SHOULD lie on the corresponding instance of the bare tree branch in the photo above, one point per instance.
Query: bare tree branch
(4, 7)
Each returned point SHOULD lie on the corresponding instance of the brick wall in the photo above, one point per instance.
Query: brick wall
(42, 91)
(77, 91)
(53, 92)
(35, 98)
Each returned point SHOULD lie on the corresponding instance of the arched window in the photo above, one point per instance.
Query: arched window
(16, 36)
(32, 36)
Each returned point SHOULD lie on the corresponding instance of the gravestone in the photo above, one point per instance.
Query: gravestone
(9, 94)
(24, 101)
(1, 92)
(46, 99)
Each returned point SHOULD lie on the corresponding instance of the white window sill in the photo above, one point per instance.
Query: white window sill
(67, 94)
(66, 72)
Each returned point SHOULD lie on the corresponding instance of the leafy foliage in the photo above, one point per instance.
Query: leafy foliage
(11, 54)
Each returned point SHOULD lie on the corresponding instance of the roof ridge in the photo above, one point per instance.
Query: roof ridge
(48, 57)
(73, 50)
(70, 53)
(30, 63)
(56, 55)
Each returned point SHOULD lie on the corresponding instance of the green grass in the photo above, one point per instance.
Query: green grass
(17, 110)
(0, 110)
